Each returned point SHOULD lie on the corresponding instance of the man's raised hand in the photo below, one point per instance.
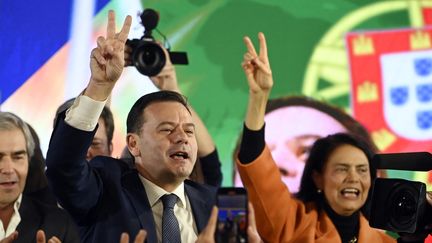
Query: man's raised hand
(107, 59)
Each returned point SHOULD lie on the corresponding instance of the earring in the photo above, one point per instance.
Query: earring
(319, 191)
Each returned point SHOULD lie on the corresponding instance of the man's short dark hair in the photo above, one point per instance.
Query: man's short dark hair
(106, 116)
(135, 118)
(108, 119)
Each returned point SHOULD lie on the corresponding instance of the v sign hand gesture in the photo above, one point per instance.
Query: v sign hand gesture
(257, 67)
(260, 80)
(107, 59)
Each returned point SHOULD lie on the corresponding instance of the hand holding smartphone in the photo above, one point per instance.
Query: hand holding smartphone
(233, 215)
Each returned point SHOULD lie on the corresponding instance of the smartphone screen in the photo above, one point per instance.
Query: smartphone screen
(232, 217)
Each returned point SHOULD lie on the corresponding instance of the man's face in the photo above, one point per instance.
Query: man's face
(99, 144)
(290, 133)
(13, 165)
(166, 144)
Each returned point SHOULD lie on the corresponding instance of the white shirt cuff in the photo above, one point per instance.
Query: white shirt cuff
(84, 113)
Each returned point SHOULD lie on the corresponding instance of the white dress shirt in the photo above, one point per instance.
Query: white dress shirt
(13, 223)
(182, 210)
(84, 113)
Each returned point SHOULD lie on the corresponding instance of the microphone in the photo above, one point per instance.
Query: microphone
(150, 19)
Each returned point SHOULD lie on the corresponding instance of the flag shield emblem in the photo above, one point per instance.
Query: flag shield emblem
(407, 93)
(391, 86)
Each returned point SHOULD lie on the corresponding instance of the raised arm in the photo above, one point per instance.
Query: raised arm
(259, 173)
(259, 77)
(76, 185)
(260, 80)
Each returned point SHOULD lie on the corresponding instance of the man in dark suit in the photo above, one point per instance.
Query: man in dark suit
(107, 196)
(21, 213)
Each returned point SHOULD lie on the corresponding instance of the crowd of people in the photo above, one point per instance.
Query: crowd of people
(155, 192)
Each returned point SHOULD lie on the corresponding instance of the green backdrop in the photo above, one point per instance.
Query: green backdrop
(306, 51)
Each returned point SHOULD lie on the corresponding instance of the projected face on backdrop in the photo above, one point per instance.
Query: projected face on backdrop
(290, 132)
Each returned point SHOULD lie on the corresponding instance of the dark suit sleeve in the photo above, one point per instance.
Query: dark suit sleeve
(76, 185)
(71, 233)
(211, 169)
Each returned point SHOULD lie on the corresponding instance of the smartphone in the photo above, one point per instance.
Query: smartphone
(233, 215)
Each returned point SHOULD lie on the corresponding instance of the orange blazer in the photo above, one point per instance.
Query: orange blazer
(282, 218)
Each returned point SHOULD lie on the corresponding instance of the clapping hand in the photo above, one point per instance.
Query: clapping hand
(139, 238)
(40, 238)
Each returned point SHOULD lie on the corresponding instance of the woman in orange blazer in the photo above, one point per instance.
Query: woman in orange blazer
(335, 185)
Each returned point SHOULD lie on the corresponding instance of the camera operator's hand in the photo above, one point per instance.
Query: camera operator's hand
(167, 78)
(429, 198)
(107, 59)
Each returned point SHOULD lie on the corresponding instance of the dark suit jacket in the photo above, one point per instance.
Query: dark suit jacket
(52, 220)
(106, 196)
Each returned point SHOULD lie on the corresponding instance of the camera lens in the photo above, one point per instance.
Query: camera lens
(148, 58)
(403, 206)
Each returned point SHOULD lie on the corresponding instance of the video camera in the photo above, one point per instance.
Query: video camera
(400, 205)
(147, 55)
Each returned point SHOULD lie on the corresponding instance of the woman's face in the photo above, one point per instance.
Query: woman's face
(289, 133)
(345, 180)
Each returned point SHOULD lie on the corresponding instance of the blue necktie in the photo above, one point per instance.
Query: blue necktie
(170, 225)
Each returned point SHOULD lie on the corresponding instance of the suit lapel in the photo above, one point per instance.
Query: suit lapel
(200, 208)
(30, 221)
(135, 191)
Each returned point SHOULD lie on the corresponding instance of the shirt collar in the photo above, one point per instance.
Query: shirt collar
(14, 221)
(154, 192)
(17, 203)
